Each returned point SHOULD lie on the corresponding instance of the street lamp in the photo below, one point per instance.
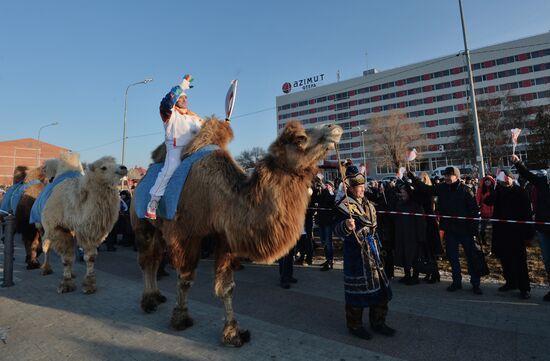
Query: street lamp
(363, 131)
(40, 144)
(145, 81)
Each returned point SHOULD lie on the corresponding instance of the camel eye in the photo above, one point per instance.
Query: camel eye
(103, 168)
(301, 139)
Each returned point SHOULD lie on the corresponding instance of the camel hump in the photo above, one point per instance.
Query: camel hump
(213, 131)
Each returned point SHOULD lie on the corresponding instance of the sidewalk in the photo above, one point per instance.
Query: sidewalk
(303, 323)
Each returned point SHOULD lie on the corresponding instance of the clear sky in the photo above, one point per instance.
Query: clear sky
(70, 61)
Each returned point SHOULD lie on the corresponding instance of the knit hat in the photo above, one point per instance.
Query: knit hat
(354, 177)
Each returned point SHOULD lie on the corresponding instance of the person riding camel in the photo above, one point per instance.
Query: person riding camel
(180, 125)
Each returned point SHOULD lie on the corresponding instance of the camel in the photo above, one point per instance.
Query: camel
(29, 233)
(258, 216)
(85, 208)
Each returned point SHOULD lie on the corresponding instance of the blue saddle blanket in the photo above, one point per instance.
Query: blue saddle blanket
(7, 201)
(169, 202)
(38, 206)
(19, 193)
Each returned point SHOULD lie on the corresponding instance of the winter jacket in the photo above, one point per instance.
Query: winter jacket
(179, 128)
(485, 210)
(542, 204)
(453, 200)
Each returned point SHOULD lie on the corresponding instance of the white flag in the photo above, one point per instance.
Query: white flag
(230, 99)
(515, 135)
(411, 155)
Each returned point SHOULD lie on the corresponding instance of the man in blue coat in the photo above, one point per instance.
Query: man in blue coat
(365, 282)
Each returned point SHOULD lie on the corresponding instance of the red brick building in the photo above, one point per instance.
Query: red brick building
(27, 151)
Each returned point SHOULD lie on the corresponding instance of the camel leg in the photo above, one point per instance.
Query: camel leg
(149, 260)
(33, 246)
(223, 287)
(186, 263)
(46, 267)
(89, 283)
(67, 285)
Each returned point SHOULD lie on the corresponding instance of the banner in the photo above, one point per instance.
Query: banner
(515, 135)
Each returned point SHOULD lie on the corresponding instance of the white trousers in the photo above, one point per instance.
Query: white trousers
(172, 161)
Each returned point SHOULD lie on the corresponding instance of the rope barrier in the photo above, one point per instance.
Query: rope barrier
(449, 217)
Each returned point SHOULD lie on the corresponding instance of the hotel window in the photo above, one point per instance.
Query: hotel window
(488, 64)
(362, 90)
(312, 101)
(388, 96)
(294, 105)
(476, 66)
(401, 93)
(427, 88)
(506, 73)
(351, 93)
(302, 103)
(413, 91)
(400, 82)
(508, 86)
(342, 106)
(428, 100)
(525, 70)
(443, 85)
(457, 95)
(505, 60)
(353, 103)
(478, 78)
(442, 73)
(456, 70)
(528, 97)
(457, 82)
(540, 67)
(543, 80)
(426, 76)
(388, 85)
(341, 96)
(526, 83)
(522, 57)
(321, 99)
(374, 88)
(489, 76)
(312, 110)
(413, 79)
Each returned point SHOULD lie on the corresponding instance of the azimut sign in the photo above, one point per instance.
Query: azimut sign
(303, 84)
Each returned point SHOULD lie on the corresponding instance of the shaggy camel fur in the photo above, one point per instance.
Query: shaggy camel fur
(259, 217)
(29, 232)
(85, 208)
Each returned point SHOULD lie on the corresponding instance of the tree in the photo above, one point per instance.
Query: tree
(496, 116)
(249, 158)
(391, 137)
(540, 139)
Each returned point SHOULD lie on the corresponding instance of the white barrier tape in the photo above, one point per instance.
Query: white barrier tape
(449, 217)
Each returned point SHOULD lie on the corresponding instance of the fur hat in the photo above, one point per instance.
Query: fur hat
(354, 177)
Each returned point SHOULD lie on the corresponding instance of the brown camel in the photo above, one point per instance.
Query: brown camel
(85, 208)
(29, 233)
(258, 217)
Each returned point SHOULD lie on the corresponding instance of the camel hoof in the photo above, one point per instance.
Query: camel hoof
(66, 286)
(180, 319)
(89, 285)
(232, 336)
(150, 301)
(34, 264)
(46, 270)
(161, 298)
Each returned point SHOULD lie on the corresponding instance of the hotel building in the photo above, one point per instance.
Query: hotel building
(432, 93)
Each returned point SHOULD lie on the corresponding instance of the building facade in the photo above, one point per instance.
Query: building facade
(27, 152)
(433, 93)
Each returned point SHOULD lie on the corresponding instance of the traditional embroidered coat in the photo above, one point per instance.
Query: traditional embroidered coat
(364, 278)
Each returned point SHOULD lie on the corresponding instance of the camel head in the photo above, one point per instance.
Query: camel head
(68, 161)
(298, 150)
(106, 171)
(19, 173)
(37, 173)
(50, 168)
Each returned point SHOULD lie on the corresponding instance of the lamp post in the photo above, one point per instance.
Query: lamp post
(145, 81)
(40, 144)
(363, 131)
(477, 138)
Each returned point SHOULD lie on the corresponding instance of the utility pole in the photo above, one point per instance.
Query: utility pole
(477, 138)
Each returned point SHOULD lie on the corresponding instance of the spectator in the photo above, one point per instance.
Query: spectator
(486, 211)
(324, 221)
(286, 269)
(432, 246)
(541, 206)
(365, 281)
(455, 199)
(410, 232)
(510, 201)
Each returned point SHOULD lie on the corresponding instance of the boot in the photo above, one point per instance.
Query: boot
(434, 278)
(327, 266)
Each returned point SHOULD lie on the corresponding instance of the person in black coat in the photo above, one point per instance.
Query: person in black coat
(455, 199)
(541, 206)
(510, 201)
(324, 219)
